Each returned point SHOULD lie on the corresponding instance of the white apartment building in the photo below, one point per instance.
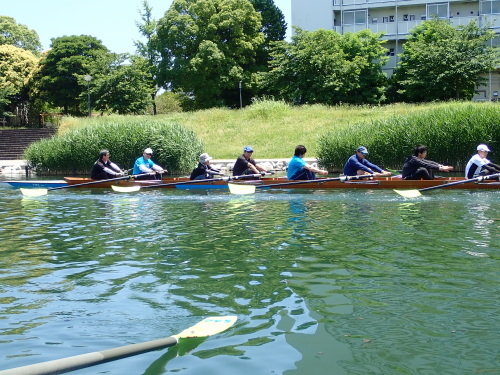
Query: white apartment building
(396, 18)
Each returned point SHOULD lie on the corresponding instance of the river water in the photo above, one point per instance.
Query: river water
(322, 282)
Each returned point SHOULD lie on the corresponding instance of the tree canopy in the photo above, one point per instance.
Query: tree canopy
(19, 35)
(17, 66)
(325, 67)
(60, 78)
(207, 48)
(441, 62)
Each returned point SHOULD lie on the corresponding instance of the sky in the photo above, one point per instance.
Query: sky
(111, 21)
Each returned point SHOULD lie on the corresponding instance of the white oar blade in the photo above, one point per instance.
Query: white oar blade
(408, 193)
(33, 192)
(208, 327)
(125, 189)
(241, 189)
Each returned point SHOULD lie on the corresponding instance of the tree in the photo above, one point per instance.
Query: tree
(273, 28)
(19, 35)
(16, 69)
(148, 49)
(325, 67)
(441, 62)
(207, 48)
(121, 84)
(60, 78)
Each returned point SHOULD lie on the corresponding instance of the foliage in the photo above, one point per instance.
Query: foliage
(166, 103)
(207, 48)
(19, 35)
(60, 78)
(16, 68)
(325, 67)
(451, 132)
(441, 62)
(148, 49)
(175, 147)
(273, 28)
(121, 84)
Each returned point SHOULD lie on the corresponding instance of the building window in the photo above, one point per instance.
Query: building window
(438, 10)
(405, 17)
(412, 17)
(490, 7)
(390, 52)
(385, 19)
(391, 18)
(356, 17)
(374, 20)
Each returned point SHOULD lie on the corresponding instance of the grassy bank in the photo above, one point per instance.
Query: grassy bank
(451, 130)
(272, 128)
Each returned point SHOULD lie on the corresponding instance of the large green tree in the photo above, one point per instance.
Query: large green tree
(273, 28)
(325, 67)
(120, 84)
(60, 78)
(148, 50)
(207, 48)
(441, 62)
(19, 35)
(17, 66)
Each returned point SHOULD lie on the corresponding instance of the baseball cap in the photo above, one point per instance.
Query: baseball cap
(483, 147)
(248, 149)
(205, 157)
(363, 150)
(148, 151)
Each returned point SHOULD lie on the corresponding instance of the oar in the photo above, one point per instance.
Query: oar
(207, 327)
(417, 193)
(39, 192)
(250, 189)
(130, 189)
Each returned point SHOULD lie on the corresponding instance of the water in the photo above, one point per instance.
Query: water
(322, 282)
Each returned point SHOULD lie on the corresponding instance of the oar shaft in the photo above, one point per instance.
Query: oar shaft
(63, 365)
(298, 182)
(90, 183)
(480, 178)
(226, 178)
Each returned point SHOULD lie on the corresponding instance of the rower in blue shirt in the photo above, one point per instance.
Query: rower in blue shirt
(357, 165)
(298, 169)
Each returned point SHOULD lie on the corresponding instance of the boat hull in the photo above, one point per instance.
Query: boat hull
(376, 183)
(45, 184)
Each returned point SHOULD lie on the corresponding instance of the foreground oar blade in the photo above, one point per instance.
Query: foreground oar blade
(33, 192)
(208, 327)
(408, 193)
(125, 189)
(241, 189)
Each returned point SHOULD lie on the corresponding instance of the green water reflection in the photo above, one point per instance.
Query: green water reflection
(322, 282)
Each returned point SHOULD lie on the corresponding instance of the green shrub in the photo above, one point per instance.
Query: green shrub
(451, 132)
(175, 147)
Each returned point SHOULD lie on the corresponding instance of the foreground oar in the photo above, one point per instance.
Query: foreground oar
(39, 192)
(207, 327)
(250, 189)
(417, 193)
(130, 189)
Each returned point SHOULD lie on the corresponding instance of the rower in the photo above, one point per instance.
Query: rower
(479, 165)
(298, 169)
(358, 165)
(105, 169)
(204, 170)
(416, 167)
(245, 165)
(146, 169)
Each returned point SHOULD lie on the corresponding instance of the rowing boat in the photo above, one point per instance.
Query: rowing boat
(47, 184)
(375, 183)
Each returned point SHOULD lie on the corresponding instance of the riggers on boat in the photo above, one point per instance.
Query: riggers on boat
(324, 183)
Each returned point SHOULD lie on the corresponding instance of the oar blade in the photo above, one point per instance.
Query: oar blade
(408, 193)
(125, 189)
(241, 189)
(33, 192)
(208, 327)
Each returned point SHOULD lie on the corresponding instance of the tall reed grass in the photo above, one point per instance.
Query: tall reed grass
(451, 131)
(75, 150)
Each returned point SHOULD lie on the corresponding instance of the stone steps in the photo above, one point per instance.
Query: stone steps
(13, 142)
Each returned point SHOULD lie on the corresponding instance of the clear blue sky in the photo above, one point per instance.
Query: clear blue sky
(111, 21)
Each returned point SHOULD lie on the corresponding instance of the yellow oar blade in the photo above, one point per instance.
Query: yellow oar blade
(33, 192)
(125, 189)
(408, 193)
(241, 189)
(208, 327)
